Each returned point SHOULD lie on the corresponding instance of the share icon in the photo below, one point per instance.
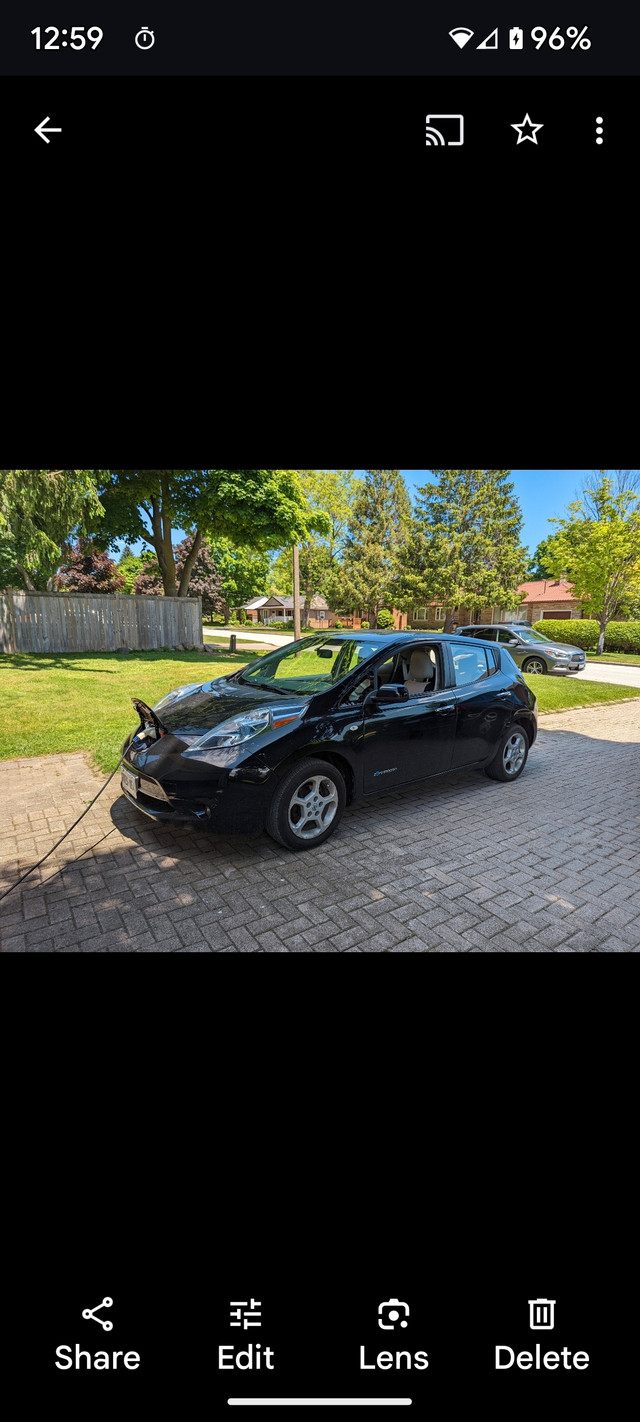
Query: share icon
(91, 1313)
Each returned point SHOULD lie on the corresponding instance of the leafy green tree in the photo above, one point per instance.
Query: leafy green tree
(368, 572)
(88, 570)
(600, 555)
(464, 548)
(244, 573)
(329, 492)
(40, 512)
(130, 565)
(260, 508)
(539, 562)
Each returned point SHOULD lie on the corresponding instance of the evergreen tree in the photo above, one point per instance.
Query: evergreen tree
(40, 510)
(367, 576)
(464, 548)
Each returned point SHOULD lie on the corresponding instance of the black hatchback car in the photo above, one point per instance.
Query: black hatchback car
(284, 743)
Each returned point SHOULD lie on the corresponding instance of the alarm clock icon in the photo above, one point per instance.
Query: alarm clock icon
(145, 38)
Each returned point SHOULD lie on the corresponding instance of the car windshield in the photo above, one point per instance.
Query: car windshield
(528, 635)
(313, 664)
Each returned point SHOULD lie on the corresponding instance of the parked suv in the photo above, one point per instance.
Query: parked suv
(532, 651)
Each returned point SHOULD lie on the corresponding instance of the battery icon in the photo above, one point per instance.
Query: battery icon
(516, 39)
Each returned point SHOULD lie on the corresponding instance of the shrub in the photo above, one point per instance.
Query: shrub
(622, 637)
(242, 616)
(385, 619)
(339, 624)
(580, 632)
(365, 626)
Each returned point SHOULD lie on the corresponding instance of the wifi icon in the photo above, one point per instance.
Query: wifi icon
(461, 36)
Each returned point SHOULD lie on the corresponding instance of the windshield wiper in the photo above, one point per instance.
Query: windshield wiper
(264, 686)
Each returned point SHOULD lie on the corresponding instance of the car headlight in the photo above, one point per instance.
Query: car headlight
(243, 727)
(177, 694)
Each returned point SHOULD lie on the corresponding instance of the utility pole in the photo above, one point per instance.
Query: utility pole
(296, 592)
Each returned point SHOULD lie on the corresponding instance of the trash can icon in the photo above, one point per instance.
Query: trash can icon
(541, 1313)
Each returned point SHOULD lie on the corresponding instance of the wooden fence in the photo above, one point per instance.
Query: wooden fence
(86, 622)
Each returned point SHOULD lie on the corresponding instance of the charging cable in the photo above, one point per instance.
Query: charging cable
(63, 837)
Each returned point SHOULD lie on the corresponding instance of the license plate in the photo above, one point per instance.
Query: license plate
(130, 782)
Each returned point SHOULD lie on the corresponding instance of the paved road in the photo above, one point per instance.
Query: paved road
(608, 671)
(460, 864)
(222, 633)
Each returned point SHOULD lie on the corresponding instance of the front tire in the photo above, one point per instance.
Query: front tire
(535, 665)
(511, 756)
(307, 805)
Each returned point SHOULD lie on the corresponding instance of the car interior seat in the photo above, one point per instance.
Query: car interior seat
(420, 674)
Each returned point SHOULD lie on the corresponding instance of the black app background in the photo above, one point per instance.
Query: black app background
(467, 1282)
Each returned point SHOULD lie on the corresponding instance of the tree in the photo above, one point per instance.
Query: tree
(464, 547)
(261, 508)
(367, 575)
(40, 511)
(539, 562)
(600, 555)
(244, 573)
(329, 492)
(205, 579)
(88, 570)
(130, 565)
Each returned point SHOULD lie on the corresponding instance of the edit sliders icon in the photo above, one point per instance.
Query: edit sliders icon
(461, 36)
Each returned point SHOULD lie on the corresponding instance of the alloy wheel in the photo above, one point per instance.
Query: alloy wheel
(514, 753)
(313, 806)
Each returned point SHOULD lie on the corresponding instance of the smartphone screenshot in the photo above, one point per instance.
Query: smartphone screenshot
(441, 97)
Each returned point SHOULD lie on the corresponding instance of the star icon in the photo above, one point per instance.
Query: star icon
(528, 125)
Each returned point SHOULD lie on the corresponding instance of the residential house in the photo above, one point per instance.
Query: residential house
(277, 608)
(543, 598)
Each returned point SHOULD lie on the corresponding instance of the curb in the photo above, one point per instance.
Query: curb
(589, 706)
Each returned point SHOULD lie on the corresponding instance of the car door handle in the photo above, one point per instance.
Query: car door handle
(445, 710)
(507, 694)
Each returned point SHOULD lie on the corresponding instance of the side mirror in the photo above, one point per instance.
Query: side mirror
(513, 642)
(324, 652)
(388, 694)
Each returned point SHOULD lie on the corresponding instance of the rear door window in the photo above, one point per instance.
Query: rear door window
(470, 664)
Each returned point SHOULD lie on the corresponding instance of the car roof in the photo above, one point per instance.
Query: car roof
(389, 636)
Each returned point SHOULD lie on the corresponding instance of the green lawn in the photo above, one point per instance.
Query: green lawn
(83, 702)
(555, 695)
(630, 658)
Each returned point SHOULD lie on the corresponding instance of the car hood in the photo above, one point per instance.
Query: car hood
(562, 646)
(212, 702)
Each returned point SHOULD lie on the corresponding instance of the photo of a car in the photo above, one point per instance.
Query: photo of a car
(285, 743)
(531, 650)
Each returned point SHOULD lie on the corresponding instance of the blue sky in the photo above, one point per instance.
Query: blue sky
(543, 494)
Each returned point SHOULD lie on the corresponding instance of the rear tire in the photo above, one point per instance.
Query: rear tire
(307, 805)
(535, 665)
(511, 756)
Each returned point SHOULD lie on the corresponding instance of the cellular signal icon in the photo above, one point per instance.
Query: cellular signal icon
(461, 36)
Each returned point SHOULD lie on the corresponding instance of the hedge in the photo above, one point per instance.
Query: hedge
(583, 632)
(622, 637)
(580, 632)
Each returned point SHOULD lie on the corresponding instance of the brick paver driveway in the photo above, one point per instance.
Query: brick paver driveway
(456, 865)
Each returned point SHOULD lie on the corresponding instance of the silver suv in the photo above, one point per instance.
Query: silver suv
(532, 651)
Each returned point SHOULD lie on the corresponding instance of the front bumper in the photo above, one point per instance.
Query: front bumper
(238, 807)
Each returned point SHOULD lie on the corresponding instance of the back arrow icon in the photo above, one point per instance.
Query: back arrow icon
(44, 131)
